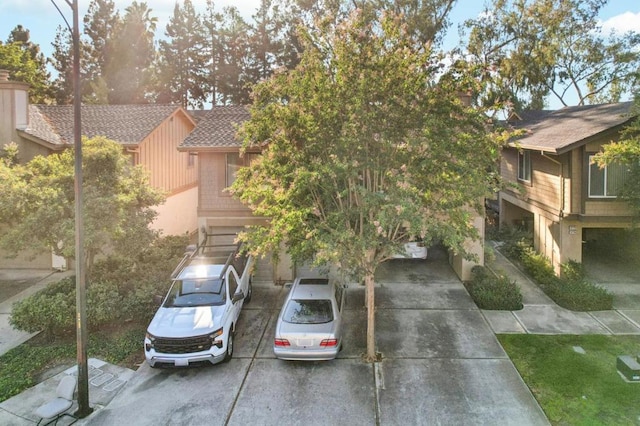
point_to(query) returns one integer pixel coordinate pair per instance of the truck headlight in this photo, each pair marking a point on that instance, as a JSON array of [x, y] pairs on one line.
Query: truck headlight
[[152, 341], [214, 338]]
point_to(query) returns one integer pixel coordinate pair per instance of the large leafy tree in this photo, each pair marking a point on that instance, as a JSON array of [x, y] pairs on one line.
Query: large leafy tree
[[627, 152], [26, 63], [532, 50], [183, 59], [38, 202], [363, 150]]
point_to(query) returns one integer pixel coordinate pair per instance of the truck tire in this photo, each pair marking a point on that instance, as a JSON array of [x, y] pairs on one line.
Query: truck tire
[[247, 298], [229, 353]]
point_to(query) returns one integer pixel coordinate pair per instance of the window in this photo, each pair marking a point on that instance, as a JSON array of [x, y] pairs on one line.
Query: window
[[308, 311], [233, 284], [524, 166], [191, 159], [234, 162], [606, 182]]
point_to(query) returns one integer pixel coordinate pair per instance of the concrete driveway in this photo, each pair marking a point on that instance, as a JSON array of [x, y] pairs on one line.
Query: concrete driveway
[[442, 365]]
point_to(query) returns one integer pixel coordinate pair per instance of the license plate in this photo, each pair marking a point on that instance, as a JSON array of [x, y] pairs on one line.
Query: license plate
[[305, 342]]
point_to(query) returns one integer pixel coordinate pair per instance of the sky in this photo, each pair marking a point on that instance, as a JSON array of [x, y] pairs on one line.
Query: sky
[[42, 19]]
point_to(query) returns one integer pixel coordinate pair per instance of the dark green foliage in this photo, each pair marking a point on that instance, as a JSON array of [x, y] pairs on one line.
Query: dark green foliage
[[493, 292], [21, 367], [571, 290], [51, 310], [512, 241], [119, 289]]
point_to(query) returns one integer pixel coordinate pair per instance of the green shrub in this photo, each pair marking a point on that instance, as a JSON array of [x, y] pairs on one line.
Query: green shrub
[[119, 289], [104, 304], [513, 241], [571, 290], [51, 310], [493, 292], [537, 266]]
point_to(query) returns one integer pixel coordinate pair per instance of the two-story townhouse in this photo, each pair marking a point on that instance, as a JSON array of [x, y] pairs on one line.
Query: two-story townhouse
[[150, 134], [554, 189], [214, 140]]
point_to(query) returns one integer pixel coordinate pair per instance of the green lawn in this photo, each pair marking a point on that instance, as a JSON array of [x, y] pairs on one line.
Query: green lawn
[[574, 388]]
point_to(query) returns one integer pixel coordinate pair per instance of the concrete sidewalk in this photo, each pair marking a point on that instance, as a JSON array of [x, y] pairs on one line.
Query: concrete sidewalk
[[541, 315]]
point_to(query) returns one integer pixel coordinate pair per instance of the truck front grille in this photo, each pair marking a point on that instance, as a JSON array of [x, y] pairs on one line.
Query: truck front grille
[[183, 345]]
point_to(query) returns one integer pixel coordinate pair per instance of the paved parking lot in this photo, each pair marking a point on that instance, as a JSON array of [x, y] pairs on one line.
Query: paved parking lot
[[442, 365]]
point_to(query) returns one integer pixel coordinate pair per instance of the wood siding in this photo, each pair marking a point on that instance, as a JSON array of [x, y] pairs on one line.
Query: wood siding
[[545, 189], [213, 200], [169, 169]]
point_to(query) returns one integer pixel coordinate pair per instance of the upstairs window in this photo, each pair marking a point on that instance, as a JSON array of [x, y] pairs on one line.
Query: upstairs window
[[524, 166], [606, 182], [234, 162]]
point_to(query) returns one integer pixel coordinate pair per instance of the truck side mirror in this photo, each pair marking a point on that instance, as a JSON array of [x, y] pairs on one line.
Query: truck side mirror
[[157, 300], [237, 297]]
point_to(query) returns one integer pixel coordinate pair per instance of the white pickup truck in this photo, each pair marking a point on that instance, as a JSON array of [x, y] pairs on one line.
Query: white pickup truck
[[196, 320]]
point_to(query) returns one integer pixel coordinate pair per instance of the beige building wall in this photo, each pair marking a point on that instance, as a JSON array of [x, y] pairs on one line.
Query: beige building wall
[[462, 266], [178, 215]]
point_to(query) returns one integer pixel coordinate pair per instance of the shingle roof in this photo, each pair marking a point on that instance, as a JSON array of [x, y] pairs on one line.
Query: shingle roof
[[127, 124], [564, 129], [217, 129]]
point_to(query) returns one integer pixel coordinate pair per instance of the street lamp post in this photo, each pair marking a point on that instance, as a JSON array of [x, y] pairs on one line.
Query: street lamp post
[[81, 302]]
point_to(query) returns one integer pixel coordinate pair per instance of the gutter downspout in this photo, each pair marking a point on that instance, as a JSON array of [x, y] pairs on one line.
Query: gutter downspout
[[562, 191]]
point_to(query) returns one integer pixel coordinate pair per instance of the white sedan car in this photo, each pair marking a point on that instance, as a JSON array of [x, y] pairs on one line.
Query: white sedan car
[[413, 250], [309, 326]]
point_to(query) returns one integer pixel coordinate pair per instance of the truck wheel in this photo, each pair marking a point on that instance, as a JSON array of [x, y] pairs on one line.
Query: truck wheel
[[247, 298], [229, 353]]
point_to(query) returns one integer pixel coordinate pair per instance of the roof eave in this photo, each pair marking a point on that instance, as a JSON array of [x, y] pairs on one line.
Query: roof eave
[[35, 139]]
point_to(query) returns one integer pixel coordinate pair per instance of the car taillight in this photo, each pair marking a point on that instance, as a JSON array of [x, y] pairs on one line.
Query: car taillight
[[281, 342], [328, 343]]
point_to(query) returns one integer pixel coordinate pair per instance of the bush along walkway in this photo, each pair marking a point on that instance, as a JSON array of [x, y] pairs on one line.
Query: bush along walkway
[[541, 315]]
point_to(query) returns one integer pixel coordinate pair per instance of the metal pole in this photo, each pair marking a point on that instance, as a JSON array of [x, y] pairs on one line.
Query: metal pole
[[81, 303]]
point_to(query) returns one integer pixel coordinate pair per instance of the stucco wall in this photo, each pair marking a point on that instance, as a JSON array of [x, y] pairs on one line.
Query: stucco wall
[[178, 215]]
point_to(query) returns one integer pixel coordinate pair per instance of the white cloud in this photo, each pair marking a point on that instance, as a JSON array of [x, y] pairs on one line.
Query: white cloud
[[622, 23]]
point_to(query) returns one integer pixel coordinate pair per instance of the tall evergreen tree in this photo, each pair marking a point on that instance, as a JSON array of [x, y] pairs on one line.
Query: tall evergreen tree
[[26, 63], [62, 62], [182, 58], [128, 63], [233, 41], [101, 25], [213, 52]]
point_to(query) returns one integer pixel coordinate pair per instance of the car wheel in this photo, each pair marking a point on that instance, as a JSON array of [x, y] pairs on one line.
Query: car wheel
[[247, 298], [229, 353]]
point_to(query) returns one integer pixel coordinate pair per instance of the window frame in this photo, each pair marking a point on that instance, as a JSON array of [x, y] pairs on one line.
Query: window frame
[[524, 166], [242, 161], [605, 178]]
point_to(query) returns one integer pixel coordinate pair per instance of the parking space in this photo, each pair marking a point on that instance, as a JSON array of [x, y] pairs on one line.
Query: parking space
[[441, 364]]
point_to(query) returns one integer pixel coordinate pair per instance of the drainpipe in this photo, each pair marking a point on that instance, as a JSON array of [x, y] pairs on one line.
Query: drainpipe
[[562, 192]]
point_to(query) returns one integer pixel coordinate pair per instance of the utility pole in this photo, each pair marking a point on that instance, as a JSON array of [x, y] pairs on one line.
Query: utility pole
[[81, 300]]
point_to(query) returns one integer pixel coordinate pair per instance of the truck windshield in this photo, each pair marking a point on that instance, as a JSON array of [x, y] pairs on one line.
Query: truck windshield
[[201, 292]]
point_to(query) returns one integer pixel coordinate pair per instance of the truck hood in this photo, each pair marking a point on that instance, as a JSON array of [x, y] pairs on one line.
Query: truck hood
[[187, 321]]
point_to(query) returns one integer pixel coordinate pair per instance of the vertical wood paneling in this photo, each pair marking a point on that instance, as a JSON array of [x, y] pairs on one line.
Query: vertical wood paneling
[[159, 154]]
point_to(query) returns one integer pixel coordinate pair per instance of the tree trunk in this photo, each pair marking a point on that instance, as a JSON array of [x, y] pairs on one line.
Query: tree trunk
[[371, 319]]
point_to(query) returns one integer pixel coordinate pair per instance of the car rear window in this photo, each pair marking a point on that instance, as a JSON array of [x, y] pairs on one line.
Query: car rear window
[[302, 311]]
